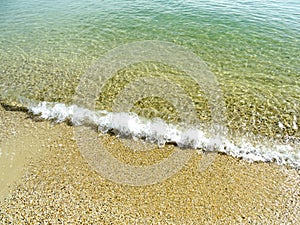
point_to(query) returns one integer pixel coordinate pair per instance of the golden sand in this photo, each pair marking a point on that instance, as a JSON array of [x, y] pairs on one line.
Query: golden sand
[[50, 182]]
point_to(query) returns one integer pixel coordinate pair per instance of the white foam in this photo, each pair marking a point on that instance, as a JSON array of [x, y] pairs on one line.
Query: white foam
[[158, 131], [295, 127]]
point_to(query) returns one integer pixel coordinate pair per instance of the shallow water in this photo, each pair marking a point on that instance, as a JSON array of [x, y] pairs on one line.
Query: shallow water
[[251, 46]]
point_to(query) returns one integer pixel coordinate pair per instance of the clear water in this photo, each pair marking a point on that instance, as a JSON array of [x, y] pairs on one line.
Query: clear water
[[251, 46]]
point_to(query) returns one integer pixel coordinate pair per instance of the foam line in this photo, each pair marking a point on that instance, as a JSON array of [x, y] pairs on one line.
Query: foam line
[[160, 132]]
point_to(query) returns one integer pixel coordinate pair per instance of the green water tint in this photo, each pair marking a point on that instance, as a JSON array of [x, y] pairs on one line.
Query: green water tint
[[44, 51]]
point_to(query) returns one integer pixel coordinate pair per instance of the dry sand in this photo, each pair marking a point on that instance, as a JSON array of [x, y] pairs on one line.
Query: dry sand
[[51, 183]]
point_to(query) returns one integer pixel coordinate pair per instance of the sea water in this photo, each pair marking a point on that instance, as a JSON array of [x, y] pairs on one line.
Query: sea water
[[251, 47]]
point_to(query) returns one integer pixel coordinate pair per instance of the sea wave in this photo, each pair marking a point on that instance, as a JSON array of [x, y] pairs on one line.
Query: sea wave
[[125, 124]]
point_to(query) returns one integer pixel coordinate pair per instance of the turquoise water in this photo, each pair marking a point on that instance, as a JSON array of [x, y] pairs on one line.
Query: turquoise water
[[251, 46]]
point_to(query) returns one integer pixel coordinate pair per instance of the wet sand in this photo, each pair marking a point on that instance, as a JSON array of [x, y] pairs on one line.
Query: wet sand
[[48, 181]]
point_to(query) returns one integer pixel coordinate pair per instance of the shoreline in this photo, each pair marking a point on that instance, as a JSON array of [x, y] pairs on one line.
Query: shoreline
[[57, 185]]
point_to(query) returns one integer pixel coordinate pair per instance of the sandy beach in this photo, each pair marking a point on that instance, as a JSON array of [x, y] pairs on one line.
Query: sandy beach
[[49, 182], [210, 84]]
